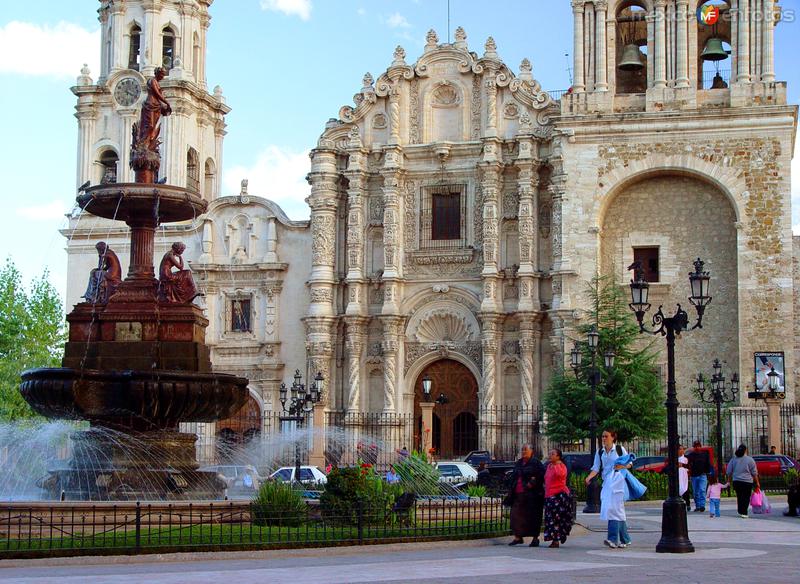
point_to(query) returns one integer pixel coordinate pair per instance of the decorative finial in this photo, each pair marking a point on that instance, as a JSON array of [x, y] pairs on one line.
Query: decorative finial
[[431, 40], [85, 77], [490, 47], [525, 65], [461, 37], [399, 56], [243, 191], [368, 80]]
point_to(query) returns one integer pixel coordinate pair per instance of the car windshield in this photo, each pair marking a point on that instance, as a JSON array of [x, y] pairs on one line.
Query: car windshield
[[306, 474]]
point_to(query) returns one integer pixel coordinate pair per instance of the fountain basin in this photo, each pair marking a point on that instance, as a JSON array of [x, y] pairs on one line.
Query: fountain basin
[[135, 201], [143, 400]]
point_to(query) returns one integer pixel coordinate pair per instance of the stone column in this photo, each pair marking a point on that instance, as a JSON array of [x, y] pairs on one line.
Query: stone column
[[317, 455], [324, 205], [527, 185], [527, 346], [660, 79], [601, 50], [682, 50], [579, 84], [355, 342], [356, 175], [490, 343], [491, 104], [774, 421], [491, 168], [392, 337], [124, 170], [427, 428], [557, 190], [271, 257], [588, 51], [86, 114], [149, 60], [319, 353], [392, 230], [743, 57], [205, 21], [119, 48], [768, 42]]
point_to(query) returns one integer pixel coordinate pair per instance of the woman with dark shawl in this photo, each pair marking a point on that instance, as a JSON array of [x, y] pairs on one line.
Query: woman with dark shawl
[[527, 497], [178, 286]]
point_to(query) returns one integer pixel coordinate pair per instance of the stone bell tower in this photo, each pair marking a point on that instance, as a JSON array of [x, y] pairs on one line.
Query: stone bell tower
[[136, 37]]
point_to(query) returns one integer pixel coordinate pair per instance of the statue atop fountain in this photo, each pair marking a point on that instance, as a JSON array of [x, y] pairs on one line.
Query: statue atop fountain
[[135, 363], [145, 156]]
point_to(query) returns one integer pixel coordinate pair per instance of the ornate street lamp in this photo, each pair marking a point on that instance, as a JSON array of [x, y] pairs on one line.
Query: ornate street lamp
[[674, 529], [718, 394], [297, 403], [593, 377], [426, 388]]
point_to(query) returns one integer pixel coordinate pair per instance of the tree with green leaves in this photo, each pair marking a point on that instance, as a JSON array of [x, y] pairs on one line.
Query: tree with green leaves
[[629, 398], [31, 335]]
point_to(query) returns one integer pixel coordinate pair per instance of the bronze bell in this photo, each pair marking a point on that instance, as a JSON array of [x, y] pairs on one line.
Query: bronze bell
[[631, 58], [714, 50]]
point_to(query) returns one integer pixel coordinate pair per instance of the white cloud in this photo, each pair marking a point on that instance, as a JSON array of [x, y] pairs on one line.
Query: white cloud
[[278, 174], [361, 12], [56, 51], [397, 20], [45, 212], [301, 8]]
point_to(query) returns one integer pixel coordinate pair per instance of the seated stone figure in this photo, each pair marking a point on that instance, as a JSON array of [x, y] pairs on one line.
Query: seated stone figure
[[176, 286], [105, 278]]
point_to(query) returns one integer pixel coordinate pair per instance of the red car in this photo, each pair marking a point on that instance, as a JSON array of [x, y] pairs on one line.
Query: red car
[[774, 465]]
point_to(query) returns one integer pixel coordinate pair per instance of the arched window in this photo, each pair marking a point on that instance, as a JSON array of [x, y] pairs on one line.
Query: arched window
[[134, 48], [108, 166], [167, 47], [196, 56], [713, 45], [631, 50], [193, 170], [209, 187]]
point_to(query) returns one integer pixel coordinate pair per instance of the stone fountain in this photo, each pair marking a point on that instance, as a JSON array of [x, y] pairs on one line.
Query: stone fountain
[[136, 363]]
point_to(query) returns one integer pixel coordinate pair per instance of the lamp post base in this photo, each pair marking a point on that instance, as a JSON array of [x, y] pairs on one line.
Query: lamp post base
[[592, 498], [674, 528]]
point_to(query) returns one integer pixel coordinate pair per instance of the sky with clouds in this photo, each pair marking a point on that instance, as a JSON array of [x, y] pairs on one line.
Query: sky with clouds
[[286, 66]]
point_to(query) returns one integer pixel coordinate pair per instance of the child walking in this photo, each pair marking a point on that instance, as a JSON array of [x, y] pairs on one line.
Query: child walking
[[714, 494]]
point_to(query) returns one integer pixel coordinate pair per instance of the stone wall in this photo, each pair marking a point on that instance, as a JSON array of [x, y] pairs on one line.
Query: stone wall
[[695, 219]]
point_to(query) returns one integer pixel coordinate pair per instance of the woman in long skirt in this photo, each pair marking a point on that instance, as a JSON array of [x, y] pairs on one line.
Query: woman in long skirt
[[557, 502], [527, 497]]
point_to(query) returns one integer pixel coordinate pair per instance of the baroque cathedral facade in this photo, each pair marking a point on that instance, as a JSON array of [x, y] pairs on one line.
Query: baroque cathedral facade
[[458, 211]]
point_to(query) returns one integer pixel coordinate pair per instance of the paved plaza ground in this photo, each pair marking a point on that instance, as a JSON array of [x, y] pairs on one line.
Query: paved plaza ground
[[729, 550]]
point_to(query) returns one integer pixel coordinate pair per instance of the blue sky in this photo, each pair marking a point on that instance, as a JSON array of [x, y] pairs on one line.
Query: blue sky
[[285, 66]]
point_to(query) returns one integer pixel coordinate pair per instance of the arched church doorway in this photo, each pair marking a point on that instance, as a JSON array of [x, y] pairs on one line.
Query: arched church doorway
[[455, 421], [239, 429]]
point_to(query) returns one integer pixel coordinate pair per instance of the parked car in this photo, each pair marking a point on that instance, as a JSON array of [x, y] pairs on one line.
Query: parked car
[[774, 464], [650, 464], [241, 479], [456, 472], [497, 468], [578, 462], [308, 475]]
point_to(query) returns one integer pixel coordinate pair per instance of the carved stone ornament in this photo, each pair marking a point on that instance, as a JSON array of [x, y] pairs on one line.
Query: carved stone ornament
[[445, 95], [380, 122], [322, 233], [511, 111], [443, 326]]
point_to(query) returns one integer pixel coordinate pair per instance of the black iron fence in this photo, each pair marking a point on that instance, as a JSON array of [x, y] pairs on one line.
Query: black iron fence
[[375, 438], [367, 437], [504, 429], [790, 429], [41, 531]]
